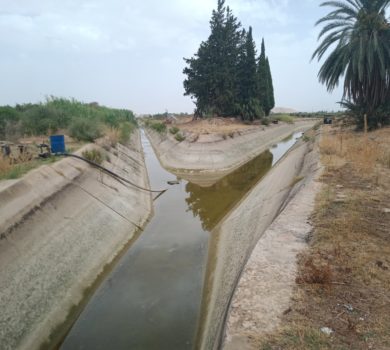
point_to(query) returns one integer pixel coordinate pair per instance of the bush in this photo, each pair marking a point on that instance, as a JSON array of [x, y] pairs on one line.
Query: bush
[[125, 131], [179, 137], [284, 118], [93, 155], [61, 114], [174, 130], [85, 130], [159, 127], [265, 121]]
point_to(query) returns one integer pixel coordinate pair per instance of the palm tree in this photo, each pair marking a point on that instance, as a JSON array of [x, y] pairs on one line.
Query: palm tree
[[358, 32]]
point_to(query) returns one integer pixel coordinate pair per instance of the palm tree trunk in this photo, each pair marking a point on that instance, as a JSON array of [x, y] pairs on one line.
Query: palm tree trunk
[[365, 123]]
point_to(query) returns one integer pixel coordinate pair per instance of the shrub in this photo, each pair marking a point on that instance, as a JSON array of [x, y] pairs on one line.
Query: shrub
[[179, 137], [125, 131], [284, 118], [159, 127], [93, 155], [85, 130], [265, 121], [174, 130]]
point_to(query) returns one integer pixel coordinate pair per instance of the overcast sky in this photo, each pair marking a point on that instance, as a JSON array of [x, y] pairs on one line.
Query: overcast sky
[[129, 54]]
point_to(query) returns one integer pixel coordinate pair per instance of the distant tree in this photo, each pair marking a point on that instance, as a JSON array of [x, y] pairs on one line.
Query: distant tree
[[358, 33]]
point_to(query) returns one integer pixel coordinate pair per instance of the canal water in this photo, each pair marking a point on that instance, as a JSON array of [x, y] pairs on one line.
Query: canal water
[[152, 298]]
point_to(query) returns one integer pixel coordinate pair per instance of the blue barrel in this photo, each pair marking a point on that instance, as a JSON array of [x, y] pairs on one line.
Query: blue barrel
[[57, 144]]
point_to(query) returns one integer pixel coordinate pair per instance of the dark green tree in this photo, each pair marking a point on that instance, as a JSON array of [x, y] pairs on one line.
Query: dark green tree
[[212, 72], [250, 107], [223, 78], [358, 33], [270, 89], [262, 75]]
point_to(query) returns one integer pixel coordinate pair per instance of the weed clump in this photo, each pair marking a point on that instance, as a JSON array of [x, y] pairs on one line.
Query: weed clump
[[125, 131], [174, 130], [93, 155], [159, 127], [179, 137], [315, 274]]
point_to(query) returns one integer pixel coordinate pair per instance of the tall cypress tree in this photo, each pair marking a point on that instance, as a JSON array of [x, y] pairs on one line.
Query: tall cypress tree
[[212, 75], [270, 89], [263, 79], [222, 77], [250, 107], [203, 70]]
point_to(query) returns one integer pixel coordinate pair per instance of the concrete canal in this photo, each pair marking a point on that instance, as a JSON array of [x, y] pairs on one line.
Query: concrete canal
[[152, 299]]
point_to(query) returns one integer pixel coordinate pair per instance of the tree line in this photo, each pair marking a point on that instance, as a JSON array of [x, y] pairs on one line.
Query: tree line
[[82, 121], [225, 78]]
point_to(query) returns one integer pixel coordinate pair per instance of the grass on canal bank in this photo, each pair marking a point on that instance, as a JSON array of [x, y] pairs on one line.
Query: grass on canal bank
[[343, 277]]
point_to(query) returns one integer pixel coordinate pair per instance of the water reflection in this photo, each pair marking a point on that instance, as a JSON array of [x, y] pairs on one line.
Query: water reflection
[[210, 204]]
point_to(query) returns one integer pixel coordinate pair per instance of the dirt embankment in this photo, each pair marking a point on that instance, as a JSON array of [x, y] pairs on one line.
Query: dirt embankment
[[341, 299], [60, 226], [207, 160]]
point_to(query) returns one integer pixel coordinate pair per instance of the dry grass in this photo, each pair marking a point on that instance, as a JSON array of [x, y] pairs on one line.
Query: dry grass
[[225, 126], [112, 136], [5, 165], [344, 278]]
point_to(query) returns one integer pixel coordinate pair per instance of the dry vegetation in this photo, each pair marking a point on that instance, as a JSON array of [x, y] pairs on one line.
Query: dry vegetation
[[214, 125], [344, 277]]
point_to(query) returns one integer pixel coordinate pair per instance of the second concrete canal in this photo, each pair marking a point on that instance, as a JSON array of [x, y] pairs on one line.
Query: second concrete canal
[[153, 297]]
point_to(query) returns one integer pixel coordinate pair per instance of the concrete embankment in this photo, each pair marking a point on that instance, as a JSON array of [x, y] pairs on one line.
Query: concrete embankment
[[205, 162], [266, 284], [60, 226], [233, 240]]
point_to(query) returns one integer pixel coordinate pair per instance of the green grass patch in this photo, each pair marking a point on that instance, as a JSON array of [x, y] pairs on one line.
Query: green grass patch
[[18, 170]]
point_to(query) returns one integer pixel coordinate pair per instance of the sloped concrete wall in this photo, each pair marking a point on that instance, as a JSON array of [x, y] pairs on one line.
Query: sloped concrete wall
[[60, 226]]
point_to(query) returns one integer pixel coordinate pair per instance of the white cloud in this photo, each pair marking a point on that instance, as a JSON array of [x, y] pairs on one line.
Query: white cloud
[[129, 53]]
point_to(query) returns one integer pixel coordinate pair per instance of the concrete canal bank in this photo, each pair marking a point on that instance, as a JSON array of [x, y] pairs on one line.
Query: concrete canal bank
[[206, 161], [266, 284], [60, 226], [171, 287], [234, 238]]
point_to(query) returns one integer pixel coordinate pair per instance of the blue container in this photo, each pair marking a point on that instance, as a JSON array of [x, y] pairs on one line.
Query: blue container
[[57, 144]]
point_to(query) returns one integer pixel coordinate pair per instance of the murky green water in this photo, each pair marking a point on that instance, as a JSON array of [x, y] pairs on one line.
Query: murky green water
[[152, 298]]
